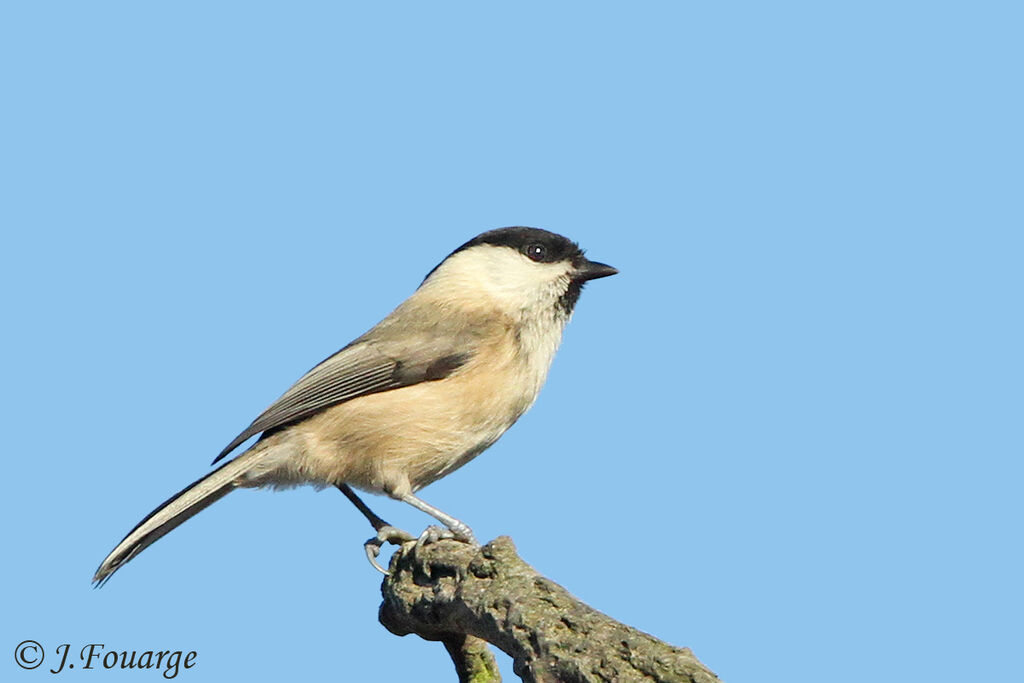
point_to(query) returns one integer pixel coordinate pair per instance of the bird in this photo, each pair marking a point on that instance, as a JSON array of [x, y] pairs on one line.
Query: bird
[[423, 392]]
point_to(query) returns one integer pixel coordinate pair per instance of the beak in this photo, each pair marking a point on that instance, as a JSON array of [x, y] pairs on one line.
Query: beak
[[591, 270]]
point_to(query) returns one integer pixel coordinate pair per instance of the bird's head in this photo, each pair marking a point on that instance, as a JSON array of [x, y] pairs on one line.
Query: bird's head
[[521, 270]]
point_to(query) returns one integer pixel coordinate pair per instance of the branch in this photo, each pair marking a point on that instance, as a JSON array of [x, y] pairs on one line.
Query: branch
[[458, 593]]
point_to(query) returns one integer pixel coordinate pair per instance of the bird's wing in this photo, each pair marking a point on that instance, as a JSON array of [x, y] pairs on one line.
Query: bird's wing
[[363, 367]]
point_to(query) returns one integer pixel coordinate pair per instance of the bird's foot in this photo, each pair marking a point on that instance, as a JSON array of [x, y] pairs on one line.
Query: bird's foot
[[386, 534], [435, 533], [395, 536]]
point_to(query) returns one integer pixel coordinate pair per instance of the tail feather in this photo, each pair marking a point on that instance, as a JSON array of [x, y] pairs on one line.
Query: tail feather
[[189, 501]]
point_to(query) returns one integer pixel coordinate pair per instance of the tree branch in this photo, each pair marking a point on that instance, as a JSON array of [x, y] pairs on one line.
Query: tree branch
[[458, 593], [474, 661]]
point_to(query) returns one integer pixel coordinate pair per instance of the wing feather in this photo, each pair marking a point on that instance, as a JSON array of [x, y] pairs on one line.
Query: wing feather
[[363, 367]]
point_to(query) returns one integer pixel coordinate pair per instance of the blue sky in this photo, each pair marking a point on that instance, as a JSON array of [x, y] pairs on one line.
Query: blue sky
[[787, 435]]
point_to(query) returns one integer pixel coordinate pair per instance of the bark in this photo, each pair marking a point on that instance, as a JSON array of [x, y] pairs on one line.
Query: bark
[[461, 594]]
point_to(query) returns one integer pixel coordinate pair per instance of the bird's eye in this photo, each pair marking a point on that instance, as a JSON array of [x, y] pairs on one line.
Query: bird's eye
[[536, 251]]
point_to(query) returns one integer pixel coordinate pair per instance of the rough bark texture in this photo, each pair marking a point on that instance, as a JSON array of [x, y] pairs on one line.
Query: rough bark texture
[[474, 661], [457, 593]]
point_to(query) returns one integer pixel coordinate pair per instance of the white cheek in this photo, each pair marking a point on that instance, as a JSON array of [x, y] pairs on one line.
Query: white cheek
[[503, 276]]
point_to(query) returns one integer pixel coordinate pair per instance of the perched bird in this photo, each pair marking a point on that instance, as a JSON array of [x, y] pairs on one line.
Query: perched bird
[[422, 393]]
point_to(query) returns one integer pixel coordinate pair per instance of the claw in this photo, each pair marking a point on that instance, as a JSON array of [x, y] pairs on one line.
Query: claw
[[433, 534], [386, 534], [372, 548]]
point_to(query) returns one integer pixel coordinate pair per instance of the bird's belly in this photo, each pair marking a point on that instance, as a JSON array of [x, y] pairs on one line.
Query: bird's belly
[[399, 441]]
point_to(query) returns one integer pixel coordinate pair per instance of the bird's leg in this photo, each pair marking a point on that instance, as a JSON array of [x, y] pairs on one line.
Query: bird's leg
[[385, 532], [374, 520], [459, 530]]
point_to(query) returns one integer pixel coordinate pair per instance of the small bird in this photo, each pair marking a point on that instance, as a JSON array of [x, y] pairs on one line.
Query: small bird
[[422, 393]]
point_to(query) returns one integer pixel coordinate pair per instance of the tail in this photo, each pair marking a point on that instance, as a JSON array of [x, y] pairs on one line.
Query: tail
[[194, 498]]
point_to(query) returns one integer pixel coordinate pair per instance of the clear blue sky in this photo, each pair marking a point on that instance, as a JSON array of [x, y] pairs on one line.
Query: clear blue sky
[[787, 435]]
